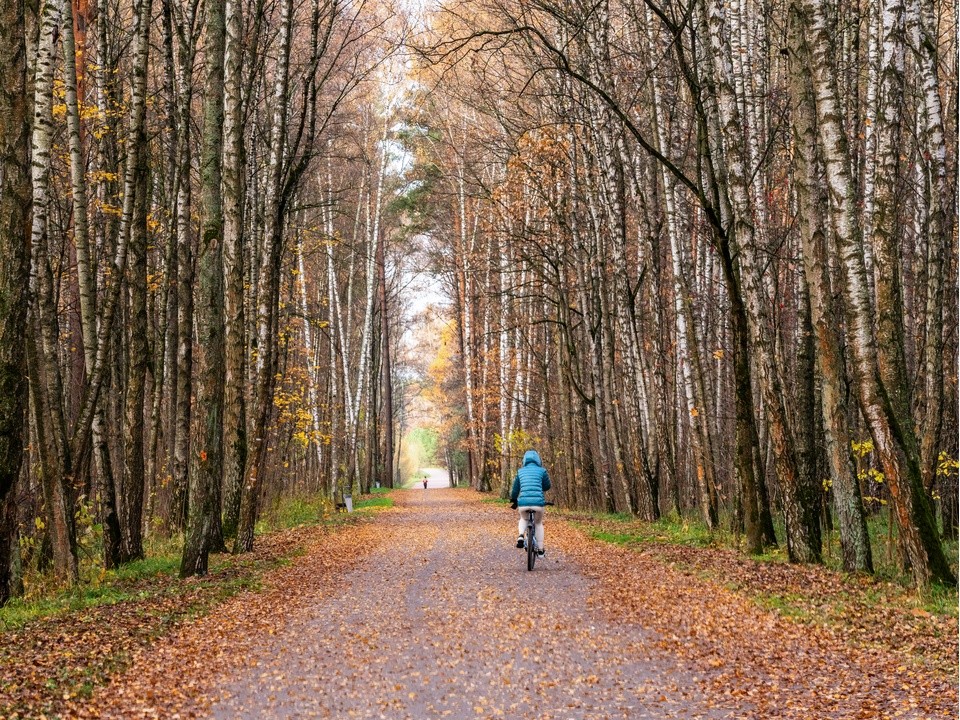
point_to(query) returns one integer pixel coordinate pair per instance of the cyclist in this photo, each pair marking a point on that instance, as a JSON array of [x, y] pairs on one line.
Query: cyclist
[[529, 485]]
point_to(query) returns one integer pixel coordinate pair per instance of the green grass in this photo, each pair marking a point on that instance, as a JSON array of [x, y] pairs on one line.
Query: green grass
[[671, 530], [886, 562], [680, 531], [294, 512], [155, 599], [615, 538], [18, 612], [940, 600], [110, 587], [138, 580], [788, 604], [692, 531], [168, 564], [373, 502]]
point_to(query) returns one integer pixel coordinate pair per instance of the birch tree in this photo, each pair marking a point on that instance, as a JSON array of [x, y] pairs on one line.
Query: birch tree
[[894, 440]]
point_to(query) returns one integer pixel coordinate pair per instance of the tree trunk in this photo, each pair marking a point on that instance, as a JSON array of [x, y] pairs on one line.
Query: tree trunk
[[938, 195], [802, 521], [14, 260], [130, 498], [894, 441], [386, 379], [185, 276], [45, 370], [268, 291], [811, 198], [234, 171], [206, 471]]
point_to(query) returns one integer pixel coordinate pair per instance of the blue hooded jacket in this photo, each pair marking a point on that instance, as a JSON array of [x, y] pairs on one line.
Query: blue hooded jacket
[[531, 481]]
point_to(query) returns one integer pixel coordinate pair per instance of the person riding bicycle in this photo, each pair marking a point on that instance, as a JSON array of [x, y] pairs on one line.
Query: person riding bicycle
[[529, 485]]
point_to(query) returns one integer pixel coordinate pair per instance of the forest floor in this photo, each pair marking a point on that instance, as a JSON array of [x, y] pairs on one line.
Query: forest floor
[[427, 611]]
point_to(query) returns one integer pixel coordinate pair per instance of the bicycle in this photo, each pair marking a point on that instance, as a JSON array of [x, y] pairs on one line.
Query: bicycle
[[530, 538]]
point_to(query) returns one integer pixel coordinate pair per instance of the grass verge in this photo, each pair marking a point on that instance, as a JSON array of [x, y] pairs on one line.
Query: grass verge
[[374, 501]]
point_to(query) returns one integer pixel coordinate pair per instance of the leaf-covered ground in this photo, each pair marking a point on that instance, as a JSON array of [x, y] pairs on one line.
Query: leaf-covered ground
[[796, 642], [50, 667], [428, 612], [441, 620], [866, 612]]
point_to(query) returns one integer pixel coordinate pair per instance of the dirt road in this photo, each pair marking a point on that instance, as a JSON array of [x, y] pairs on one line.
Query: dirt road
[[449, 623], [440, 619]]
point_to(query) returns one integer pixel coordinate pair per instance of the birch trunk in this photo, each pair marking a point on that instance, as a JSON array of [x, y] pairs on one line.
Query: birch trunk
[[203, 533], [803, 535], [130, 495], [268, 290], [464, 292], [78, 186], [128, 235], [886, 233], [171, 266], [894, 442], [45, 369], [937, 195], [811, 198], [234, 171], [386, 370], [185, 275]]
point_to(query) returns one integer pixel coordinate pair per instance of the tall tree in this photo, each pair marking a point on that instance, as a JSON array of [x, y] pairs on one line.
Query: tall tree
[[234, 170], [206, 476], [894, 439], [14, 213]]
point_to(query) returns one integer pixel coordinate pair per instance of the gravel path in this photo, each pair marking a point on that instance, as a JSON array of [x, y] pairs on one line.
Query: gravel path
[[442, 620], [427, 611]]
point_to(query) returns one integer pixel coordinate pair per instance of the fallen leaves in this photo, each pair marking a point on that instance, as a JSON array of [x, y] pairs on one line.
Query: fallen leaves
[[52, 666], [426, 611], [796, 641]]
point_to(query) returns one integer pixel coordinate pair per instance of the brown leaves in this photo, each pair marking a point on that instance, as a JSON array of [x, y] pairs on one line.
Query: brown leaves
[[51, 666], [793, 641], [441, 619]]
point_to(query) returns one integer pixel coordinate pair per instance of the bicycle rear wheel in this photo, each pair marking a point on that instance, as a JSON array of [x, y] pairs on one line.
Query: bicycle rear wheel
[[531, 549]]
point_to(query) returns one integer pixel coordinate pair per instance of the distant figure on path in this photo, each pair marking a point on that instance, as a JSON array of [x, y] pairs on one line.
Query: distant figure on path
[[529, 485], [424, 482]]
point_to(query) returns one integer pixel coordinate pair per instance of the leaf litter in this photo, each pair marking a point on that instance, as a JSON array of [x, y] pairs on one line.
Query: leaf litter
[[427, 611], [832, 652]]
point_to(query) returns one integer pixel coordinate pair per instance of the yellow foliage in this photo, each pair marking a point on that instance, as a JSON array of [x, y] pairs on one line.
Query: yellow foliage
[[946, 465], [861, 449], [108, 209]]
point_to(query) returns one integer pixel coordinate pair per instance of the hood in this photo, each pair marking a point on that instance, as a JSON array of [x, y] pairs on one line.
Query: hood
[[531, 456]]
